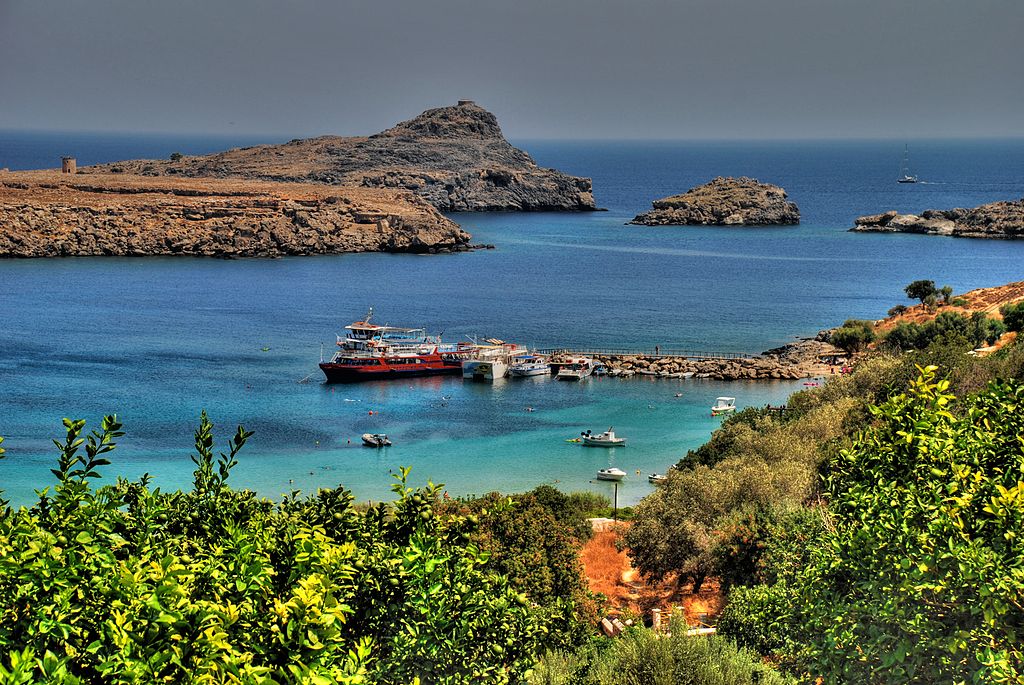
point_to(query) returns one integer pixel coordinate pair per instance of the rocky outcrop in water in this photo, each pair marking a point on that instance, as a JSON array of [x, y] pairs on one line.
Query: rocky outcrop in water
[[456, 158], [724, 202], [46, 214], [994, 220]]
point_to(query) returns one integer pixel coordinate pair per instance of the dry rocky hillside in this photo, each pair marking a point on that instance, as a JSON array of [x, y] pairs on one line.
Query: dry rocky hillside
[[48, 214], [456, 158], [993, 220], [987, 300], [724, 202]]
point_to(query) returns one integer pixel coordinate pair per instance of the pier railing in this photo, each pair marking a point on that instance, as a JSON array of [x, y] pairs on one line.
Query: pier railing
[[649, 352]]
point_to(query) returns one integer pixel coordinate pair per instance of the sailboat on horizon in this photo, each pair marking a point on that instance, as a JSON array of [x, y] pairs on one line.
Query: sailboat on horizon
[[905, 175]]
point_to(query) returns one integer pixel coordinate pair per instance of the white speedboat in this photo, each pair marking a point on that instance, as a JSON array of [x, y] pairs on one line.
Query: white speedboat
[[606, 439], [529, 365], [376, 440], [723, 405], [657, 478], [611, 473], [575, 369]]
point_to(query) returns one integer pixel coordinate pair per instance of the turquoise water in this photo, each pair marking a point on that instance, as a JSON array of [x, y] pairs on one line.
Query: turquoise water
[[156, 340]]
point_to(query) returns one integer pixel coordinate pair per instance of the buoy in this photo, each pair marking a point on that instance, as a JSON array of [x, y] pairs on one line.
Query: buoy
[[370, 413]]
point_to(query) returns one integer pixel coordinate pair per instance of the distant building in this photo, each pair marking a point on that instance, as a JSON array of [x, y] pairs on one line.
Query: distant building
[[67, 165]]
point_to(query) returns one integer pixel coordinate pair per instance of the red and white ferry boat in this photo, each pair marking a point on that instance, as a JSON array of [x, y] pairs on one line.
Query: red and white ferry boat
[[372, 352]]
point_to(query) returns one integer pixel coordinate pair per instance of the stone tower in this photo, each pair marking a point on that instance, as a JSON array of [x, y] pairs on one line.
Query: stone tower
[[67, 165]]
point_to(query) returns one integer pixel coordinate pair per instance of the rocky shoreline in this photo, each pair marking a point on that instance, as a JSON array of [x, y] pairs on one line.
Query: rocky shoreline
[[999, 220], [724, 202], [49, 214], [801, 359], [456, 158]]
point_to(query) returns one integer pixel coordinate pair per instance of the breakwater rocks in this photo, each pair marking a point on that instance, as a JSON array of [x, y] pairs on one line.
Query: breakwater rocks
[[48, 214], [802, 359], [455, 158], [724, 202], [993, 220]]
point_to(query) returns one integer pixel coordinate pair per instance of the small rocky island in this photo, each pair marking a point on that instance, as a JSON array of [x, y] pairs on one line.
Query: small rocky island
[[993, 220], [724, 202], [50, 214], [455, 158]]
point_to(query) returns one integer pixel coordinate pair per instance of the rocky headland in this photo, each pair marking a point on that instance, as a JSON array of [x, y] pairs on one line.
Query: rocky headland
[[724, 202], [49, 214], [993, 220], [455, 158]]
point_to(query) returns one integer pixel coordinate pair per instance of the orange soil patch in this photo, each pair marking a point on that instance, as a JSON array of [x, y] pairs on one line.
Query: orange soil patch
[[609, 572], [987, 300]]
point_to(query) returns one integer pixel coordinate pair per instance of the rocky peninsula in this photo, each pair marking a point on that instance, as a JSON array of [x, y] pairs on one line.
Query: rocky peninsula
[[49, 214], [455, 158], [724, 202], [994, 220]]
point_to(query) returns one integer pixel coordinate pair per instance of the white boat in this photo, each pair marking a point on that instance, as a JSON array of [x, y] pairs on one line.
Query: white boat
[[723, 405], [611, 473], [905, 175], [376, 440], [529, 365], [656, 478], [490, 362], [606, 439], [575, 369]]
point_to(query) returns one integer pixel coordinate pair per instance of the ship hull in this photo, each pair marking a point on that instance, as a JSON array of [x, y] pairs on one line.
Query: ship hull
[[351, 373]]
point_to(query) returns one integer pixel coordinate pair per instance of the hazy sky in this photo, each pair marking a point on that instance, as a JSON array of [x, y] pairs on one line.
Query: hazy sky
[[547, 68]]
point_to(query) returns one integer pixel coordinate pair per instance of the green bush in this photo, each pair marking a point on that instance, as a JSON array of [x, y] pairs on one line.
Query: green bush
[[641, 657], [128, 584], [1013, 316], [919, 576], [854, 335], [897, 310]]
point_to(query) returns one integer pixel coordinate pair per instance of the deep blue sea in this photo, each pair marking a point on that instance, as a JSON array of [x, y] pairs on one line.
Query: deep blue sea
[[156, 340]]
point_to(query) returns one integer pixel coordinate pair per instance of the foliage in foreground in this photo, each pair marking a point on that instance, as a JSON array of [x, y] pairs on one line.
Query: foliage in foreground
[[127, 584], [641, 657], [919, 576]]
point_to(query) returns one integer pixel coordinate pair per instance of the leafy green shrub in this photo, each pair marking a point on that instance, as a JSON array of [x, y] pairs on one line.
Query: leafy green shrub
[[948, 328], [641, 657], [125, 584], [920, 575], [854, 335], [1013, 316], [897, 310]]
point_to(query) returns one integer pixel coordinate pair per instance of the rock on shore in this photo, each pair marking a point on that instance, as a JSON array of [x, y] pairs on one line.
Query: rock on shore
[[48, 214], [455, 157], [993, 220], [724, 202]]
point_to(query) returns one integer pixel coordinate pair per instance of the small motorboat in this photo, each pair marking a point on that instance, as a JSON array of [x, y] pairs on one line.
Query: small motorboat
[[611, 473], [723, 405], [657, 478], [376, 440], [606, 439], [575, 369]]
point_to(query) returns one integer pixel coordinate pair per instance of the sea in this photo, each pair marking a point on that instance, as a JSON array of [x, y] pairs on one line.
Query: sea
[[158, 340]]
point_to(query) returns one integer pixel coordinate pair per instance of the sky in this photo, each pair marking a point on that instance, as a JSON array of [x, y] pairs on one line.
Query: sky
[[668, 69]]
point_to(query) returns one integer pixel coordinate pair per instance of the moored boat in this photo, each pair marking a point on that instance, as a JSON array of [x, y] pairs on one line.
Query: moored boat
[[723, 405], [370, 351], [376, 440], [606, 439], [611, 473], [575, 369], [490, 361], [657, 478], [529, 365]]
